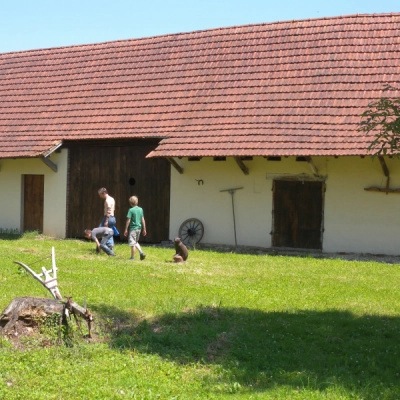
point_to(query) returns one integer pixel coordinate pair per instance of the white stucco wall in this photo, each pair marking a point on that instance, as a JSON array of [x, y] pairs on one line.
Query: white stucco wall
[[358, 220], [354, 220], [55, 192]]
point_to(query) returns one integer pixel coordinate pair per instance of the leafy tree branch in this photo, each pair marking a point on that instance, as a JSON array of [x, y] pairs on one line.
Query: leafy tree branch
[[382, 119]]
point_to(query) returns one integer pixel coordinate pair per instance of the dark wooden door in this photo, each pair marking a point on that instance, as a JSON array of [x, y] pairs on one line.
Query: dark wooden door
[[125, 171], [33, 192], [298, 210]]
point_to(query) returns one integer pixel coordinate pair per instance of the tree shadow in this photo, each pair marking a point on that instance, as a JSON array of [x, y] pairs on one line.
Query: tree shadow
[[298, 349], [290, 252]]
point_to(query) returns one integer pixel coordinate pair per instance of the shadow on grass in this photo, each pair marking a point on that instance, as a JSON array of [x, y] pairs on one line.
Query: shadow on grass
[[302, 253], [312, 349], [10, 236]]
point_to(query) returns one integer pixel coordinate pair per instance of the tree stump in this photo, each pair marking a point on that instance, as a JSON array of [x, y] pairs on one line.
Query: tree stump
[[24, 311]]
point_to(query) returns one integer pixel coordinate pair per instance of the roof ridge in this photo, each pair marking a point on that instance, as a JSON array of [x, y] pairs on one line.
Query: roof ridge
[[207, 30]]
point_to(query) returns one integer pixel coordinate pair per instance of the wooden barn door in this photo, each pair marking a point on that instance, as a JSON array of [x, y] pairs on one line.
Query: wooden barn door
[[125, 171], [298, 211], [33, 195]]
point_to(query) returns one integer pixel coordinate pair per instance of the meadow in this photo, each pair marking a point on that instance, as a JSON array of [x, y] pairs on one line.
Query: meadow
[[220, 326]]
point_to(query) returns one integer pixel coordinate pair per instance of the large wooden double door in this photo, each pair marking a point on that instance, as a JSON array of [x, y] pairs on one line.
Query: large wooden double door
[[124, 170]]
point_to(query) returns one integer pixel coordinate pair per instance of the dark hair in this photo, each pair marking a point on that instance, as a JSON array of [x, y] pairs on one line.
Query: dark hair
[[102, 190]]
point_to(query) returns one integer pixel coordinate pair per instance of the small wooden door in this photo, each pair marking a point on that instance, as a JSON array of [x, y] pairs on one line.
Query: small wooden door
[[33, 192], [298, 211]]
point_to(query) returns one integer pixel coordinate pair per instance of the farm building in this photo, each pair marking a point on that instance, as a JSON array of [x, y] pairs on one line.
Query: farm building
[[253, 130]]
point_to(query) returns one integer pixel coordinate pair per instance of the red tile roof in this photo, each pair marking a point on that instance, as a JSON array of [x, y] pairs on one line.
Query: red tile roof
[[286, 88]]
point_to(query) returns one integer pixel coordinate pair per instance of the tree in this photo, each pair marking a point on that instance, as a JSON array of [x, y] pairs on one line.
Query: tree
[[382, 119]]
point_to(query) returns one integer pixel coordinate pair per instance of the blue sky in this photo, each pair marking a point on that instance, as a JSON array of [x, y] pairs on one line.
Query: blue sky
[[33, 24]]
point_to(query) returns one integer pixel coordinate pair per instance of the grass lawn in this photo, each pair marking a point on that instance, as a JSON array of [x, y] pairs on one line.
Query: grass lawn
[[221, 326]]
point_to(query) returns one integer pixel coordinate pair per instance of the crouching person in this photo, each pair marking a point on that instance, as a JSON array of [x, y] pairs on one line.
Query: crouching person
[[105, 234]]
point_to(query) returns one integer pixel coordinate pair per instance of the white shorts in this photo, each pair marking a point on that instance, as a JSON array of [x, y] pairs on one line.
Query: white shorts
[[133, 237]]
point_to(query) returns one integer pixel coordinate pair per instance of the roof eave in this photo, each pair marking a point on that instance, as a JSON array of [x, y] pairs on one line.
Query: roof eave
[[167, 154], [52, 149]]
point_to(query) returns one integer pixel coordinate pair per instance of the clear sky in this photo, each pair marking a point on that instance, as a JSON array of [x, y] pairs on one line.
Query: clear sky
[[34, 24]]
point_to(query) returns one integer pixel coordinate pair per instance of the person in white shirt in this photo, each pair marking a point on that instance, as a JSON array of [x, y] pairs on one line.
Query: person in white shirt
[[108, 217]]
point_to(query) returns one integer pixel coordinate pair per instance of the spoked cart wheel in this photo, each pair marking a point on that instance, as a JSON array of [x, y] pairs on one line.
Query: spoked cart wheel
[[191, 231]]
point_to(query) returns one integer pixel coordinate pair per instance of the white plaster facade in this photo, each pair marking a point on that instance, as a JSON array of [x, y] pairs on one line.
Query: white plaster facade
[[354, 220], [55, 192]]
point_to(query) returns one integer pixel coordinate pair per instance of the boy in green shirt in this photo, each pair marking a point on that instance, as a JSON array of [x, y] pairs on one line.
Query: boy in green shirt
[[136, 224]]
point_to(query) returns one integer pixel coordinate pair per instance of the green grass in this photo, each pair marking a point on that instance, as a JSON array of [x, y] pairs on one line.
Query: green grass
[[221, 326]]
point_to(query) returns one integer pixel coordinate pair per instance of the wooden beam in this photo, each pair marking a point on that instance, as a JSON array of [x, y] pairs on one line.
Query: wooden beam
[[243, 167], [385, 169], [382, 190], [313, 168], [386, 172], [49, 163], [175, 165]]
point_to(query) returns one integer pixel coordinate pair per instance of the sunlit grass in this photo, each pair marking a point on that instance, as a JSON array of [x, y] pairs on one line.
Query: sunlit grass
[[219, 326]]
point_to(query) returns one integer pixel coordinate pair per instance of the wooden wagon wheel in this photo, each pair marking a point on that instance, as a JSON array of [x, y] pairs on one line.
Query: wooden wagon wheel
[[191, 231]]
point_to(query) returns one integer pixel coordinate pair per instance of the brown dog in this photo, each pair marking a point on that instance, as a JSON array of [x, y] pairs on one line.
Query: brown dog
[[181, 251]]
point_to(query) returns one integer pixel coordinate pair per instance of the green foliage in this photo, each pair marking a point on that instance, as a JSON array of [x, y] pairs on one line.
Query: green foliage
[[382, 119], [31, 235], [220, 326], [9, 233]]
